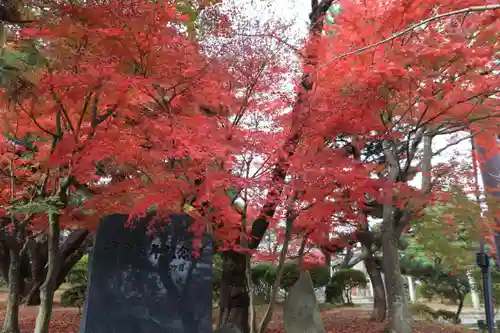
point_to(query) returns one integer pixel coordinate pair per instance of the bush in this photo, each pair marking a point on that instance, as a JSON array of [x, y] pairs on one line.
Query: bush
[[495, 277], [290, 276], [426, 292], [263, 275], [447, 317], [422, 310], [75, 296], [333, 293], [79, 273], [320, 276], [347, 279], [216, 276]]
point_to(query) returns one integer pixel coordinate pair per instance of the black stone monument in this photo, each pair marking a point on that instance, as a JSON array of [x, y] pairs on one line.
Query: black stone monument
[[144, 281]]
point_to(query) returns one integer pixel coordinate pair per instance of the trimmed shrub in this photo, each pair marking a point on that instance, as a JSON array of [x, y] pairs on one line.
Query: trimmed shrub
[[79, 273], [333, 293], [74, 297], [262, 280], [422, 310], [290, 276], [320, 276], [426, 292], [447, 317], [347, 279]]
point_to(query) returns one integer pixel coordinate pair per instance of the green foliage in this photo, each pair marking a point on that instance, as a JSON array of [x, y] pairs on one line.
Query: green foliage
[[423, 311], [451, 288], [346, 280], [426, 312], [446, 316], [75, 296], [46, 205], [333, 293], [79, 273], [216, 268], [216, 276], [495, 277], [289, 277], [319, 276], [442, 249], [448, 232], [440, 281], [350, 278], [264, 275], [426, 292]]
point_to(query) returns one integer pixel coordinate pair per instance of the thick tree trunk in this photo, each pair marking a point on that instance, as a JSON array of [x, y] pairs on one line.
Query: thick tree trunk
[[4, 261], [379, 311], [11, 322], [252, 292], [72, 250], [279, 272], [48, 288], [71, 253], [399, 318], [234, 299], [38, 252]]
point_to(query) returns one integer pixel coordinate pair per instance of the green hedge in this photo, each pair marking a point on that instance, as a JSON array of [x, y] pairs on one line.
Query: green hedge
[[342, 283], [426, 312], [79, 273], [74, 296]]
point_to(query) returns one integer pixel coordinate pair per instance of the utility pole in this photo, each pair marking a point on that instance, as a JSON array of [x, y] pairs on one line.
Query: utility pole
[[483, 262]]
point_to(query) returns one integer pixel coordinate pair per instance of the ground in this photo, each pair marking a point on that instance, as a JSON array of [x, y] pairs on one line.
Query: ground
[[357, 320], [64, 320], [343, 320]]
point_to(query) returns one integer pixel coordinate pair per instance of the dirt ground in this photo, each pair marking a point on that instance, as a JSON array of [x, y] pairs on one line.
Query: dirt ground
[[344, 320], [357, 320], [64, 320]]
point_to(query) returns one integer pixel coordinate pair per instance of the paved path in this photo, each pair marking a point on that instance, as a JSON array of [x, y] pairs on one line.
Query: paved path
[[469, 317]]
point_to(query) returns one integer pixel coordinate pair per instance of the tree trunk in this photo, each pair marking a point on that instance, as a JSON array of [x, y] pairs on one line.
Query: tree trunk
[[379, 299], [48, 288], [11, 322], [234, 295], [234, 299], [399, 318], [459, 310], [252, 292], [71, 255], [72, 250], [4, 261], [38, 255], [279, 272]]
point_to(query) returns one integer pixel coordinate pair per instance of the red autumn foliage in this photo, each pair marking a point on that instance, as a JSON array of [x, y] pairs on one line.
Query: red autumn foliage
[[137, 113], [149, 109], [111, 103]]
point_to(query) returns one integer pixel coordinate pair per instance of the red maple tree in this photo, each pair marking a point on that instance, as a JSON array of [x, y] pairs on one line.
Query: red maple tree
[[138, 113]]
